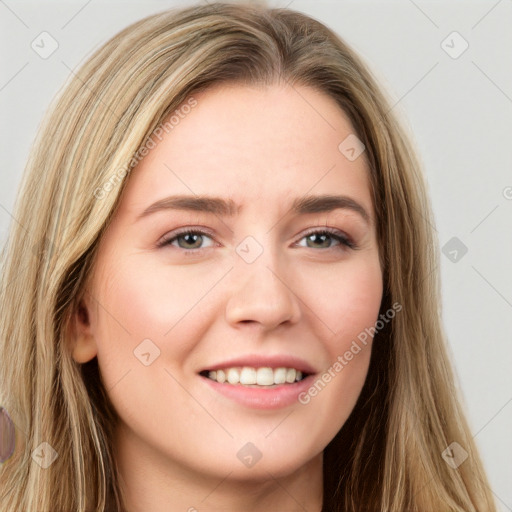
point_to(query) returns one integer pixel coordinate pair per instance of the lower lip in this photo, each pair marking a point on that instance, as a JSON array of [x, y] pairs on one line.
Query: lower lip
[[271, 398]]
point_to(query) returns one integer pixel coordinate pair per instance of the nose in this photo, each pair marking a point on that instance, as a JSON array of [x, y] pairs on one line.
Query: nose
[[262, 296]]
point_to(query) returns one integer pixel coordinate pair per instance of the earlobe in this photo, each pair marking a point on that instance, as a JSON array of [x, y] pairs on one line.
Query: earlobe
[[83, 343], [84, 349]]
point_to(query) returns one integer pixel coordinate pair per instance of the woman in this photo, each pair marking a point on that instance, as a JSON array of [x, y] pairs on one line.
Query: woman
[[225, 267]]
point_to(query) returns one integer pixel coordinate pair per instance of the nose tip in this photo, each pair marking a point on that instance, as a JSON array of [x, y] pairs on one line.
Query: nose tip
[[262, 297]]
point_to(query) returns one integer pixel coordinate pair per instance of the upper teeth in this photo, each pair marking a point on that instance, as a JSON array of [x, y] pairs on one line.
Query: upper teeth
[[261, 376]]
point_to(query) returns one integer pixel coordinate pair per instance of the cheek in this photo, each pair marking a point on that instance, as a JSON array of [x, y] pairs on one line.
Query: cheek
[[147, 309], [348, 302], [138, 300], [346, 299]]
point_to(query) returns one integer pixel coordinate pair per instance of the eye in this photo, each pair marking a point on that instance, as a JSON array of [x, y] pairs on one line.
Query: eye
[[194, 239], [187, 239], [322, 239]]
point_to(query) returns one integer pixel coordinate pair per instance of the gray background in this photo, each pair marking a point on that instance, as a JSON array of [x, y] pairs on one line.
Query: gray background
[[459, 110]]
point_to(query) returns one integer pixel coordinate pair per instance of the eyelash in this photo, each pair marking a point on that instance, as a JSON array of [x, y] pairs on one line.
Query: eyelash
[[333, 233]]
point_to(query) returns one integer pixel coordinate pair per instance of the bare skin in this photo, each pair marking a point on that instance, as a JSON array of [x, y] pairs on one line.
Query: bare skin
[[200, 301]]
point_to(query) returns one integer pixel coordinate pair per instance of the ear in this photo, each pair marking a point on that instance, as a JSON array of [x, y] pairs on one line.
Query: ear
[[83, 347]]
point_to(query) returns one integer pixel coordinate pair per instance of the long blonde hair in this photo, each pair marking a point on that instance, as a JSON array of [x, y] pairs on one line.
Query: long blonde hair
[[388, 455]]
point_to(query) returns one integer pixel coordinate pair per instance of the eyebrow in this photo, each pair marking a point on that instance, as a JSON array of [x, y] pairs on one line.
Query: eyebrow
[[227, 207]]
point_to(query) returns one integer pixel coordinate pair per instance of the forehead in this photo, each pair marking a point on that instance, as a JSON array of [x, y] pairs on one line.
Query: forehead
[[252, 144]]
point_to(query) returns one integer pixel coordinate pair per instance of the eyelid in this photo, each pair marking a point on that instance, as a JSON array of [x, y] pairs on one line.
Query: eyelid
[[168, 237]]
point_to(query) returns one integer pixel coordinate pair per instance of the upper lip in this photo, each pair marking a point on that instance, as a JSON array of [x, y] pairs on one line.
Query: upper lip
[[259, 361]]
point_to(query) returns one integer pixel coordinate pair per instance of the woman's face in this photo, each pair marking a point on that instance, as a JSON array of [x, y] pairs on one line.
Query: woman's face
[[227, 256]]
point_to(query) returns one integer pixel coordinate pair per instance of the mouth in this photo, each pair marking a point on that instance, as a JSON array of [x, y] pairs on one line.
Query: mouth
[[260, 382], [256, 377]]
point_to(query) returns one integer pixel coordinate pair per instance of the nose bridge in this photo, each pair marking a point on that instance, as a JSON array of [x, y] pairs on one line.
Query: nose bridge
[[260, 291]]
